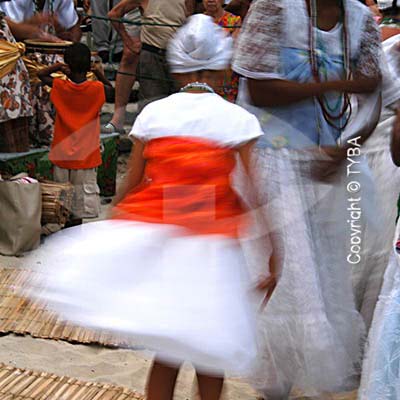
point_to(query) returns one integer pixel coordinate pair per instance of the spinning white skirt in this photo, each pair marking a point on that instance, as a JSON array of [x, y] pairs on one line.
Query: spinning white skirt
[[186, 297]]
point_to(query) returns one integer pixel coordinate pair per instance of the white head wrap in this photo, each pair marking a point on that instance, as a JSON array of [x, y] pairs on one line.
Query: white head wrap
[[199, 44]]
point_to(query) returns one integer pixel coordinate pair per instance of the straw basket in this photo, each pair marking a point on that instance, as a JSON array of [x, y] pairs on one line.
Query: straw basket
[[56, 202]]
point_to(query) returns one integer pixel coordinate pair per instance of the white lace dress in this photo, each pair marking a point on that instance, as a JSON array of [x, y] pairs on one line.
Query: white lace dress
[[312, 332], [368, 277], [381, 367]]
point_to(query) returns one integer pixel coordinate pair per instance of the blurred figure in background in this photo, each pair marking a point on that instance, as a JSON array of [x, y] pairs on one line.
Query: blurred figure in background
[[231, 23], [238, 7], [380, 378], [155, 79], [65, 21], [16, 108], [297, 57], [126, 75], [105, 38]]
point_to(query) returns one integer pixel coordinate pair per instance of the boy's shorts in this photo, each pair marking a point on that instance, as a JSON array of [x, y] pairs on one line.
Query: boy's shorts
[[86, 202]]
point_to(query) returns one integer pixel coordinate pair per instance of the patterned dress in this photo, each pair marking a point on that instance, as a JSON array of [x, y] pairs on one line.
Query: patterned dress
[[14, 87], [42, 125], [230, 87]]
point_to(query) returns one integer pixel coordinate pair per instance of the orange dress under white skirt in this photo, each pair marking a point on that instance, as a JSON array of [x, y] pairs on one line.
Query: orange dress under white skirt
[[167, 270]]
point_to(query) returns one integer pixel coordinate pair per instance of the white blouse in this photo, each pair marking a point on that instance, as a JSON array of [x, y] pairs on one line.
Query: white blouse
[[206, 116]]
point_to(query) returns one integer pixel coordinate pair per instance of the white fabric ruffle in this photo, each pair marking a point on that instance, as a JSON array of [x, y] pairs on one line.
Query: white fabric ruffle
[[380, 378], [368, 275], [185, 297], [310, 332]]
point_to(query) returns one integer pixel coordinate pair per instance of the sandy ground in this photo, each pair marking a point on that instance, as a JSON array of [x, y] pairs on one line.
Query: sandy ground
[[94, 363]]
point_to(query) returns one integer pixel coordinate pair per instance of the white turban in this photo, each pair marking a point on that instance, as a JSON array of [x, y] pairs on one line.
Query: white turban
[[199, 44]]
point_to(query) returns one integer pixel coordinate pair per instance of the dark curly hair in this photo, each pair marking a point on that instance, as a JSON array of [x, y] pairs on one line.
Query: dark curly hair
[[77, 57]]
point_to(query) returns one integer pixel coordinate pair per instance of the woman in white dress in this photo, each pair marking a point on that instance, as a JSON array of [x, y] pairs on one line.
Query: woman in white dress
[[381, 367], [368, 276], [300, 61], [168, 270]]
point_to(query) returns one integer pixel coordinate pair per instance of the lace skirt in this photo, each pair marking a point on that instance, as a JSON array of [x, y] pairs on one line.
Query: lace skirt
[[368, 274], [311, 333], [381, 369]]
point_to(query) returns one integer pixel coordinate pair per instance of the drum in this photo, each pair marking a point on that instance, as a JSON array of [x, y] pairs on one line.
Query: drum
[[38, 46]]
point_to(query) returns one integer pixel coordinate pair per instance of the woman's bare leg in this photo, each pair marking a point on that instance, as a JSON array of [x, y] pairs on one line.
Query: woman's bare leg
[[161, 383], [210, 387]]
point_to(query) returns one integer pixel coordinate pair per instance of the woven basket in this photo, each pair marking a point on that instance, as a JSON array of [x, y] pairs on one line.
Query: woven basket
[[14, 135], [56, 202]]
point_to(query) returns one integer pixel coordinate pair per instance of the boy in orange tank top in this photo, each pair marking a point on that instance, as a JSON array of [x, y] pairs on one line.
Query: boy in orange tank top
[[75, 150]]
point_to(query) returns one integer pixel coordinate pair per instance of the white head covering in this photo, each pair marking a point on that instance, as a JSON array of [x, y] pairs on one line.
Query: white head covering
[[199, 44]]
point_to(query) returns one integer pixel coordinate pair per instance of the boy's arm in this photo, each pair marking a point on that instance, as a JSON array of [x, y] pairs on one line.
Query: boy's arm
[[44, 74], [97, 69], [135, 174]]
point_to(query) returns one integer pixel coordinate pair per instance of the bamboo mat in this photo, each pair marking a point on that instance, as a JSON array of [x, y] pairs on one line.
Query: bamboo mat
[[23, 316], [338, 396], [19, 384]]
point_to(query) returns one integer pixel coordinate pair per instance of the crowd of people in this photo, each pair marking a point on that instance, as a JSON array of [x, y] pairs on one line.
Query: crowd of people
[[254, 231]]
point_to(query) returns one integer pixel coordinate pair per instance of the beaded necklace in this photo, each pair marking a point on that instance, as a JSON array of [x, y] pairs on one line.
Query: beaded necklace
[[342, 108], [38, 9], [200, 86]]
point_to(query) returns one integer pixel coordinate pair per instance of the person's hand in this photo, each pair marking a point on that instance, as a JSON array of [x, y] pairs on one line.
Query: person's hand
[[47, 37], [327, 170], [65, 35], [64, 68], [336, 153], [97, 68], [267, 286]]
